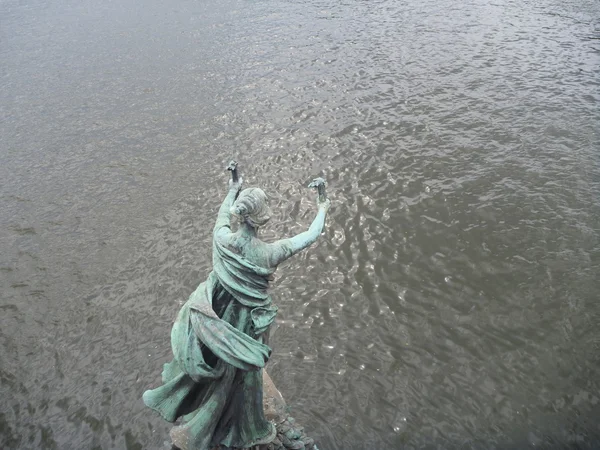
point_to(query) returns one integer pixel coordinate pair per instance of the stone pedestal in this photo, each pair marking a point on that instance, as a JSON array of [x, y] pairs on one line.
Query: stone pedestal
[[273, 402]]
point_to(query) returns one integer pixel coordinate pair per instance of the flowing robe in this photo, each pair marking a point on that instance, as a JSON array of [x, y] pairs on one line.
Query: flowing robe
[[219, 348]]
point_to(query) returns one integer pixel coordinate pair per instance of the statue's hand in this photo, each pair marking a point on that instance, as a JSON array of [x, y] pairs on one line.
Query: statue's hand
[[236, 185], [324, 204]]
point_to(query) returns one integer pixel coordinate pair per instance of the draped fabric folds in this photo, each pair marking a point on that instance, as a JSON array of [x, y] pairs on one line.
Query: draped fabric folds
[[219, 349]]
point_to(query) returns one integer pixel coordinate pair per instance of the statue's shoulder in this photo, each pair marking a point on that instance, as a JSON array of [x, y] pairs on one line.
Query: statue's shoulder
[[222, 233]]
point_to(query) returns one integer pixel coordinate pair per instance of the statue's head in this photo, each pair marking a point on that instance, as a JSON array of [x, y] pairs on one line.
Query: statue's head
[[252, 207]]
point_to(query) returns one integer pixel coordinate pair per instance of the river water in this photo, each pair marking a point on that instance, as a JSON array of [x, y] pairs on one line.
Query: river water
[[453, 300]]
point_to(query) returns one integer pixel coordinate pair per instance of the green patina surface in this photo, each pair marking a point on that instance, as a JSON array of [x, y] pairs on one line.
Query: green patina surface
[[219, 339]]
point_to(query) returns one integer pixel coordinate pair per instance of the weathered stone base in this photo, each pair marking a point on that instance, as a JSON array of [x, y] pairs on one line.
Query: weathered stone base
[[290, 436]]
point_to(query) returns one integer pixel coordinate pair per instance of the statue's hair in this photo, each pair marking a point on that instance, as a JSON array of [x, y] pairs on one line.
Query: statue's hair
[[252, 206]]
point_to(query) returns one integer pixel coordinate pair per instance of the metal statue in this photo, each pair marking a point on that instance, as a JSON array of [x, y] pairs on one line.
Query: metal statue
[[219, 338]]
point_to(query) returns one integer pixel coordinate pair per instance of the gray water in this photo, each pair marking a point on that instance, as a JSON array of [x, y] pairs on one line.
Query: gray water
[[453, 301]]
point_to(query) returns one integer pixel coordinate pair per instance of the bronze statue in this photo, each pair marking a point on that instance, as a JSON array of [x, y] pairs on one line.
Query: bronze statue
[[219, 339]]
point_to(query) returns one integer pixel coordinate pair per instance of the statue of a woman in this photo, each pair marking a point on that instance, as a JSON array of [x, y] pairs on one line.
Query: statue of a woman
[[219, 339]]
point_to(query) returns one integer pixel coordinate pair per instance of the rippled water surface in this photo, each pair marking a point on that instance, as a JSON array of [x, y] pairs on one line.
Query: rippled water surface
[[453, 301]]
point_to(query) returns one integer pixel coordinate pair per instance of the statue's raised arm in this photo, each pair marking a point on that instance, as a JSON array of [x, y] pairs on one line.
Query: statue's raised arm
[[235, 184], [285, 248]]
